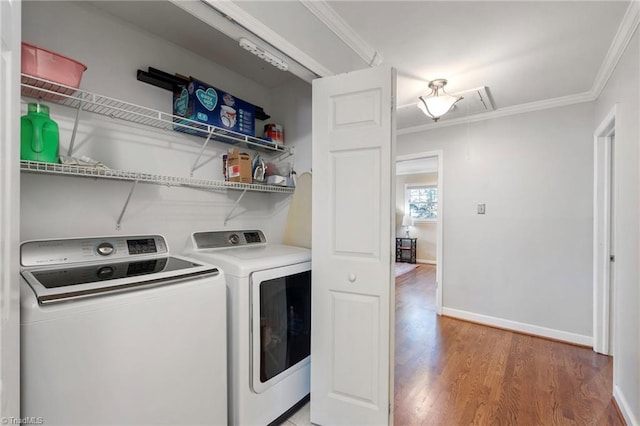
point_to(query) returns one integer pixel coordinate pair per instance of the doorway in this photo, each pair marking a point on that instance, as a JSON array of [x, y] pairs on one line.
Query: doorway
[[414, 164], [603, 235]]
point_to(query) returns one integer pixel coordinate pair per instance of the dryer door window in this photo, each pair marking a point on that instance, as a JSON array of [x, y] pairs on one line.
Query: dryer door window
[[281, 327]]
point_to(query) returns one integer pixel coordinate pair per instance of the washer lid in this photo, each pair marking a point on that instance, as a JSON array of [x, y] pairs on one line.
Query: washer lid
[[61, 283], [242, 261]]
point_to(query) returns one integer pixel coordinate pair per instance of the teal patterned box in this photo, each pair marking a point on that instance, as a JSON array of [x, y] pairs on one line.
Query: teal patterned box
[[206, 104]]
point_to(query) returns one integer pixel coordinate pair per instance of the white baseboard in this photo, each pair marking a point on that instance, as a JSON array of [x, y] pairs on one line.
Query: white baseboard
[[429, 262], [623, 405], [550, 333]]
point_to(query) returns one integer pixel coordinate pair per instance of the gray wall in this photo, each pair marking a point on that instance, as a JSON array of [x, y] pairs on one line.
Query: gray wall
[[527, 261], [623, 89]]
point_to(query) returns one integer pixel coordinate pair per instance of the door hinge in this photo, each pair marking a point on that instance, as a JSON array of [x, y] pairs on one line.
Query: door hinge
[[612, 258]]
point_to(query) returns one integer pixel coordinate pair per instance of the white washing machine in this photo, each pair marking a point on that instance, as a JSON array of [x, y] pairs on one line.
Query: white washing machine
[[116, 331], [270, 322]]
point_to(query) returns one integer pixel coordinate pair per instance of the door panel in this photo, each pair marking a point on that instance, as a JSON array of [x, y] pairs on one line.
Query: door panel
[[352, 110], [353, 194], [353, 226], [359, 340]]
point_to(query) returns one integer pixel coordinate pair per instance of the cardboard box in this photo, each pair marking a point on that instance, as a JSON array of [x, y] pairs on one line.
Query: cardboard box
[[201, 102], [239, 166]]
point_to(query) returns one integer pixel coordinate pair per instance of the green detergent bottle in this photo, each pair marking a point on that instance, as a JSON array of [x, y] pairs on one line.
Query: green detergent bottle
[[39, 135]]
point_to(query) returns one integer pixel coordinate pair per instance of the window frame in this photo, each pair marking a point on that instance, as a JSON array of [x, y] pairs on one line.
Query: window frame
[[407, 188]]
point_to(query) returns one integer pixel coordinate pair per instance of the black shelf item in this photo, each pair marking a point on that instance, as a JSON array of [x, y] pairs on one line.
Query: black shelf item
[[406, 249], [161, 79]]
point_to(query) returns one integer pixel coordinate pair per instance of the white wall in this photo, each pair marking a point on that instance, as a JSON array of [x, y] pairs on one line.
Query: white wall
[[623, 89], [67, 207], [292, 108], [425, 232], [526, 263]]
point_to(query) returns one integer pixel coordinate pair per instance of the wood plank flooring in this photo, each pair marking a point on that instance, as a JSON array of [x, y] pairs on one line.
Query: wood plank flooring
[[451, 372]]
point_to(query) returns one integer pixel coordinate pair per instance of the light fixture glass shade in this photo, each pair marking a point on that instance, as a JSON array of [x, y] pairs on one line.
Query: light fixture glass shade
[[438, 102]]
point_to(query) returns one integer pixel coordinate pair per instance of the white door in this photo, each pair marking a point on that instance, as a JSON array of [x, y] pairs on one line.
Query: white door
[[353, 226], [10, 30]]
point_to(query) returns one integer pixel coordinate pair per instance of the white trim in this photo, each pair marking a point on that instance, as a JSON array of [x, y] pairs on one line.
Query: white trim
[[328, 16], [601, 231], [504, 112], [522, 327], [426, 261], [255, 26], [440, 231], [625, 409], [620, 42]]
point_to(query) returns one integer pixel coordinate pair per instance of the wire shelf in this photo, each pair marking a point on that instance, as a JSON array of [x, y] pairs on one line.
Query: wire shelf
[[35, 87], [103, 173]]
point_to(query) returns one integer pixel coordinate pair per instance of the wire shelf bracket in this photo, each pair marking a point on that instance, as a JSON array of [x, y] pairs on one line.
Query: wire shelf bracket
[[226, 219], [195, 163], [126, 204], [75, 130]]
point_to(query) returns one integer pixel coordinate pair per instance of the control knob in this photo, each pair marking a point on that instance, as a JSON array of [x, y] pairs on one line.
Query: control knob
[[105, 249]]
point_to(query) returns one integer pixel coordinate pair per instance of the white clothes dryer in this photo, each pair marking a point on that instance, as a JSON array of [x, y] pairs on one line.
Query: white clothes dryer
[[269, 287], [114, 330]]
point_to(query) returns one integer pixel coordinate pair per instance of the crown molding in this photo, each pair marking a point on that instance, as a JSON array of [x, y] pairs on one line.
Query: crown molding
[[503, 112], [620, 42], [328, 16], [260, 30]]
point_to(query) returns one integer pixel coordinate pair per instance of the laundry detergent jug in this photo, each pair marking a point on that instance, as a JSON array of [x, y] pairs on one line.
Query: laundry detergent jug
[[39, 135]]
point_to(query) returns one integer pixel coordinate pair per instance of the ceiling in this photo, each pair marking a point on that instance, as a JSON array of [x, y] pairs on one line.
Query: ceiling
[[520, 52], [169, 22]]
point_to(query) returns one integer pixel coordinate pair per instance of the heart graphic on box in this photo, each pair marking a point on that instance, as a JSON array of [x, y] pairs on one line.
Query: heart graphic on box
[[181, 103], [208, 98]]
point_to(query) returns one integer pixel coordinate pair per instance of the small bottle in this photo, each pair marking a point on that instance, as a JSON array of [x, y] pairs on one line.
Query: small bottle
[[225, 172], [39, 135]]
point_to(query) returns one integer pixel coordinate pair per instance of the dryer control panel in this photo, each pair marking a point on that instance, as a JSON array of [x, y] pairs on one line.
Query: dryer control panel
[[226, 239], [73, 250]]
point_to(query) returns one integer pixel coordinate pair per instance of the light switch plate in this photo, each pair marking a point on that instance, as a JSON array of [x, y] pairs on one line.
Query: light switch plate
[[481, 208]]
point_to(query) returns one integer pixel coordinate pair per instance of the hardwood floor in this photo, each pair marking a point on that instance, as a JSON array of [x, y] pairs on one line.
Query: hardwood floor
[[452, 372]]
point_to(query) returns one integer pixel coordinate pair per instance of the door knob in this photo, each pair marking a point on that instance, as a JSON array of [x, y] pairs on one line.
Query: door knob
[[352, 277]]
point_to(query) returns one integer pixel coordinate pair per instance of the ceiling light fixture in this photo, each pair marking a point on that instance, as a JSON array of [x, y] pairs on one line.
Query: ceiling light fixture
[[438, 102], [250, 46]]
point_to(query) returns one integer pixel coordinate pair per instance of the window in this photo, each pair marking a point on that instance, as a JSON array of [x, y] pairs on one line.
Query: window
[[422, 202]]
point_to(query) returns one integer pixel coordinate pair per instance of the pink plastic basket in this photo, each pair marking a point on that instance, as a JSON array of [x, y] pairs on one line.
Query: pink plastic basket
[[48, 65]]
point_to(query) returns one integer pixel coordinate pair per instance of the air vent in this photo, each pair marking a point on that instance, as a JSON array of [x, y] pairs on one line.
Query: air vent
[[474, 101]]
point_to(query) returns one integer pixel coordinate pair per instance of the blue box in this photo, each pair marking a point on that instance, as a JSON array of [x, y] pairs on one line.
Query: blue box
[[201, 102]]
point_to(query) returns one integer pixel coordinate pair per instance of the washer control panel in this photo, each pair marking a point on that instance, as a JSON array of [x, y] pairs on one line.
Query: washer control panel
[[73, 250], [226, 239]]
